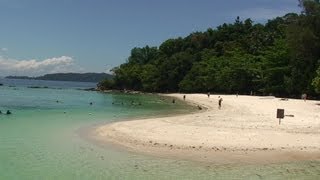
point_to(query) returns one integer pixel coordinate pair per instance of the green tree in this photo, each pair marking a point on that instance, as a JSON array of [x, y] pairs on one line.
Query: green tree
[[304, 46], [106, 84], [316, 81], [280, 57], [142, 55]]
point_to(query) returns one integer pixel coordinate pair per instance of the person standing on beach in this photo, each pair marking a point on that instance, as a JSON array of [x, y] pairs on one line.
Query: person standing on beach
[[220, 101], [184, 97], [208, 94], [304, 97]]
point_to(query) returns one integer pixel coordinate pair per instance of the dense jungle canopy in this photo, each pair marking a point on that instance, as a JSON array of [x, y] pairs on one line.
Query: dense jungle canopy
[[280, 57]]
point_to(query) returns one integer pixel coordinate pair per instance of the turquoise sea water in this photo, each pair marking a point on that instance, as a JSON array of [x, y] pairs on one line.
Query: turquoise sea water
[[41, 140]]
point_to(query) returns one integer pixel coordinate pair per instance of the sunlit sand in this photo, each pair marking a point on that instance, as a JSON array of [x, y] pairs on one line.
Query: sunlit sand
[[244, 130]]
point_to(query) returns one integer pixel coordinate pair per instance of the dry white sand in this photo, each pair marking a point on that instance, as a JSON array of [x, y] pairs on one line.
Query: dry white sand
[[244, 130]]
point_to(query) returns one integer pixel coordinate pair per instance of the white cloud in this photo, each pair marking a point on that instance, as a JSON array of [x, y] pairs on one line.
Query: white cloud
[[4, 49], [35, 67]]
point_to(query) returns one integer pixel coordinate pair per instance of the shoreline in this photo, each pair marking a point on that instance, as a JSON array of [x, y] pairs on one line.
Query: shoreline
[[245, 130]]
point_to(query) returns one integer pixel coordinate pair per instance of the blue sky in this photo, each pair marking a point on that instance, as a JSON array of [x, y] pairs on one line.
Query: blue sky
[[47, 36]]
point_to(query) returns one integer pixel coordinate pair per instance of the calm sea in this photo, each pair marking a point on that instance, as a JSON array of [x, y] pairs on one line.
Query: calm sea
[[40, 139]]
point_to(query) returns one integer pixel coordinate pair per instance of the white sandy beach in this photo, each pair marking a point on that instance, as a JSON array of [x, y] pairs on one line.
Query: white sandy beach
[[244, 130]]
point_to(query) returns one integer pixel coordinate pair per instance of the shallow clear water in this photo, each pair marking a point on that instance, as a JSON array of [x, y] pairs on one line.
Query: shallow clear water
[[41, 140]]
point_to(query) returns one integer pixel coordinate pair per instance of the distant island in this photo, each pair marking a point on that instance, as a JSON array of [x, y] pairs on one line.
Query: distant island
[[78, 77]]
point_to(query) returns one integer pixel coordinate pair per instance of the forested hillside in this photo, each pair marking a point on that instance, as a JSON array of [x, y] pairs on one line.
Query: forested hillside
[[77, 77], [280, 57]]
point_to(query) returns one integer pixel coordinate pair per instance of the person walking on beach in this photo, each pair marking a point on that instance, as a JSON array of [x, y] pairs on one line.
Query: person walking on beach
[[208, 94], [184, 97], [220, 101]]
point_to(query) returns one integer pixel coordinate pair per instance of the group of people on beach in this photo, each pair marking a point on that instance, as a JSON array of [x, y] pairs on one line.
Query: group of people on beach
[[219, 101], [8, 112], [303, 96]]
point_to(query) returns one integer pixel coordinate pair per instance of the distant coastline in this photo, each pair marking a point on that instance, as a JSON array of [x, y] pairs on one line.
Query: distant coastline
[[76, 77]]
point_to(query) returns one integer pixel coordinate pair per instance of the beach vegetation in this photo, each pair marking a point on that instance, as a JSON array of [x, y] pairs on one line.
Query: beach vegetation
[[279, 57]]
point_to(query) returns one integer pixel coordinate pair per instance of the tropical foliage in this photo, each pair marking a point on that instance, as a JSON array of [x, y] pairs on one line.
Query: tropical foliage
[[279, 57]]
